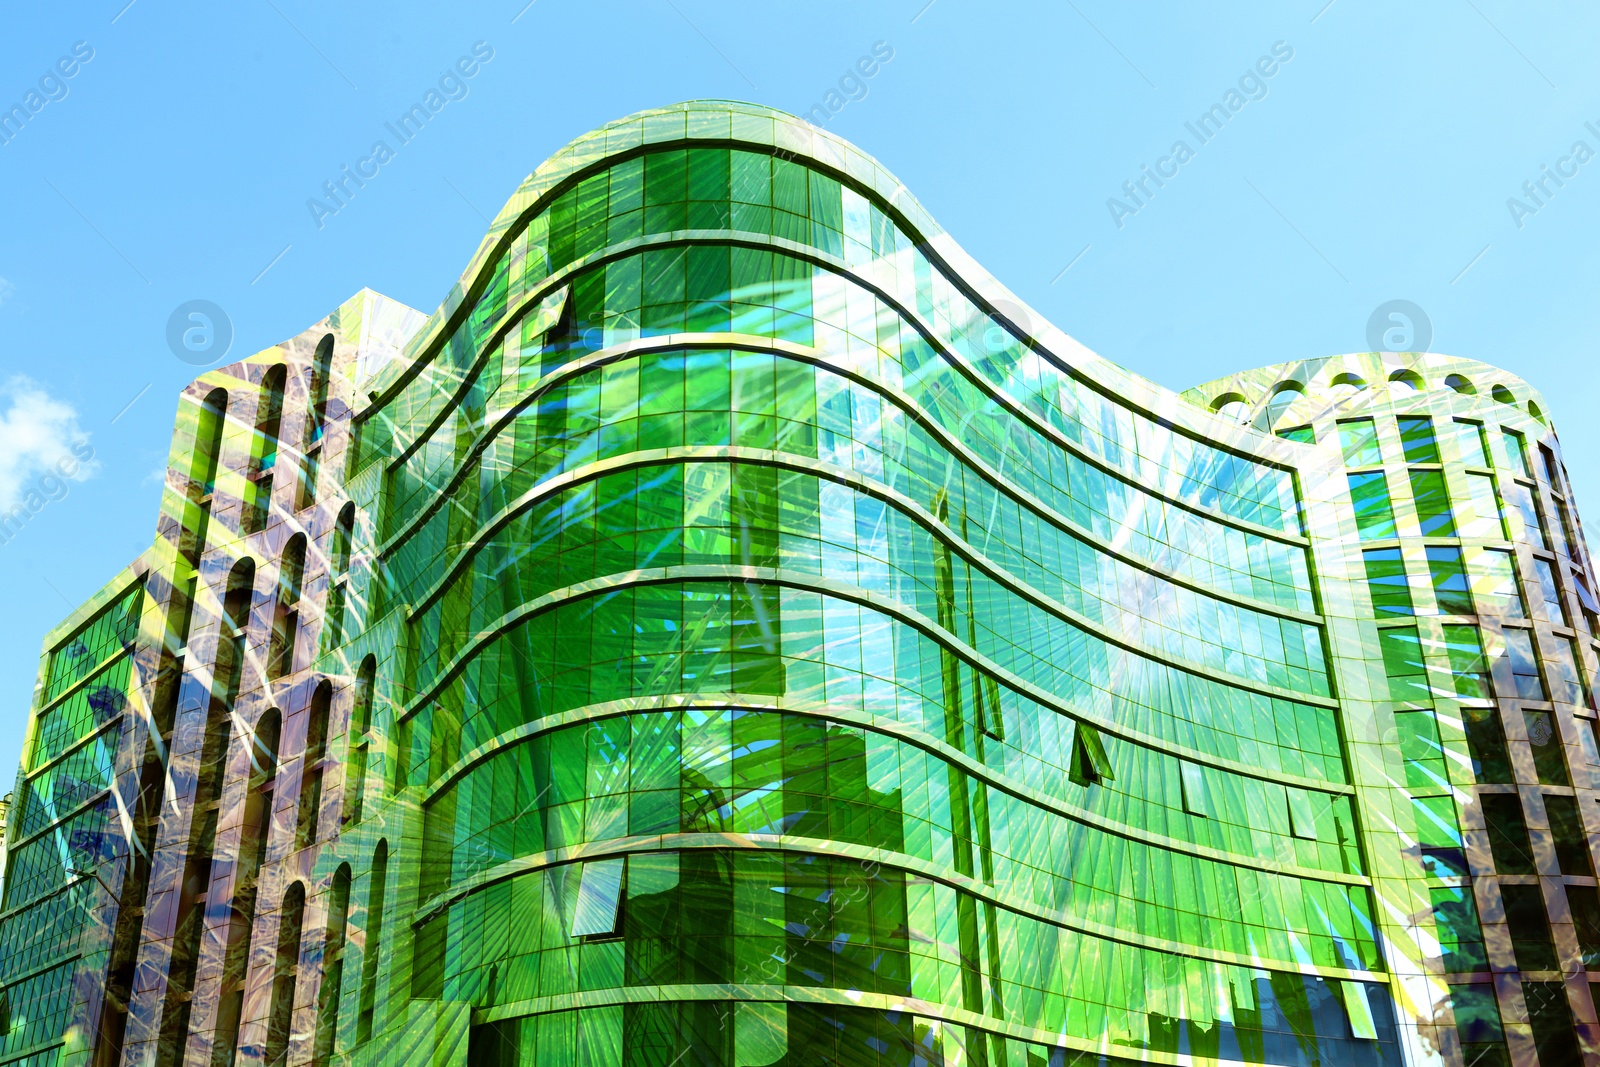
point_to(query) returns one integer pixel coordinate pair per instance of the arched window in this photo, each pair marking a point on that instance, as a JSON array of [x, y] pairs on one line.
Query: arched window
[[332, 967], [316, 418], [1405, 381], [311, 765], [237, 599], [339, 574], [1460, 384], [1231, 406], [321, 370], [1503, 395], [1346, 384], [1534, 410], [206, 808], [202, 475], [286, 965], [1283, 398], [264, 453], [355, 782], [369, 955], [194, 507], [286, 613], [263, 756]]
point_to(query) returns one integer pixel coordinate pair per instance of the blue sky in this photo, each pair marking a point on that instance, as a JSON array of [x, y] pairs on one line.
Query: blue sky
[[1376, 163]]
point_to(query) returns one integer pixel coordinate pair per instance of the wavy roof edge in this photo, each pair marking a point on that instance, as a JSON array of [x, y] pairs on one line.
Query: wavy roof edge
[[756, 124], [1434, 368]]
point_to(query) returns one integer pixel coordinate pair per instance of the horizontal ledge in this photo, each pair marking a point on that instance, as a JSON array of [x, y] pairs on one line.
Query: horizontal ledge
[[888, 727], [728, 454], [745, 992], [958, 363], [624, 846], [893, 609]]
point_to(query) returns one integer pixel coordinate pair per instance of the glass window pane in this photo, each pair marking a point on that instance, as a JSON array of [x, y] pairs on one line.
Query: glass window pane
[[1530, 928], [1194, 788], [1449, 577], [1552, 473], [1591, 608], [1524, 667], [1433, 503], [1566, 828], [1359, 439], [1302, 815], [1569, 527], [1584, 901], [1402, 662], [1477, 1013], [1491, 763], [1469, 441], [1386, 581], [1416, 435], [1532, 524], [1560, 530], [1422, 753], [1455, 913], [1508, 833], [598, 894], [1566, 682], [1374, 514], [1486, 518], [1549, 592], [1545, 740], [1468, 668], [1516, 453], [1494, 584], [1306, 435], [1549, 1012]]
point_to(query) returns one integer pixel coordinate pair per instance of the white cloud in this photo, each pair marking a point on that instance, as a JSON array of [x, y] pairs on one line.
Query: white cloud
[[41, 444], [6, 289]]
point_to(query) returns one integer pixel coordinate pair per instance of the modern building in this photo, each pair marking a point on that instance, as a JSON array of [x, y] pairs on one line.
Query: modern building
[[734, 630]]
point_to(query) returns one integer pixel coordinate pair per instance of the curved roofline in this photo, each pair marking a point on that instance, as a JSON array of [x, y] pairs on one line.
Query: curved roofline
[[1439, 362], [731, 122]]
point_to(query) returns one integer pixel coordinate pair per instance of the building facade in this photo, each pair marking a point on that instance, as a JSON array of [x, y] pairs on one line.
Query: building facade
[[733, 630]]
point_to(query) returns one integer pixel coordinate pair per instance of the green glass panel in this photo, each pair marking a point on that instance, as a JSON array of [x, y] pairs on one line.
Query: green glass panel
[[1432, 501], [1306, 435], [1387, 583], [1369, 491], [1359, 440], [1451, 592], [1468, 666], [1416, 437], [1403, 663]]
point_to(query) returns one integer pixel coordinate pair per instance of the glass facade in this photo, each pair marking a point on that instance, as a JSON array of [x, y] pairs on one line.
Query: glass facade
[[731, 630], [1492, 769]]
